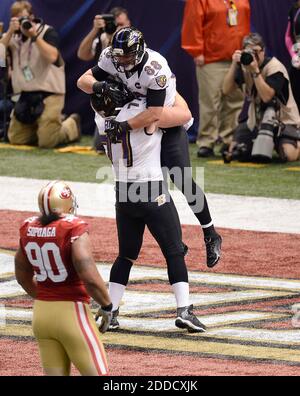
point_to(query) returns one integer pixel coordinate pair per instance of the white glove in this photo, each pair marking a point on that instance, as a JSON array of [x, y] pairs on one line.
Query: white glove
[[106, 319]]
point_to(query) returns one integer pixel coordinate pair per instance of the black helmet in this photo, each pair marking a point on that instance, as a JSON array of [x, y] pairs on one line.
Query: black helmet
[[113, 96], [127, 48]]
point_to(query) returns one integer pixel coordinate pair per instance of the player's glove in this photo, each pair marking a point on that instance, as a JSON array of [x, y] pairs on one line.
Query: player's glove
[[115, 130], [106, 314]]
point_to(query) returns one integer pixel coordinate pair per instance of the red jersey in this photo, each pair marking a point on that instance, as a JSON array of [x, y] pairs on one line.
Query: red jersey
[[48, 250]]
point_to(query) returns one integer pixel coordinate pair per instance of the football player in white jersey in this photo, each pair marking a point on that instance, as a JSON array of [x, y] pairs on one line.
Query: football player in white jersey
[[146, 74], [142, 199]]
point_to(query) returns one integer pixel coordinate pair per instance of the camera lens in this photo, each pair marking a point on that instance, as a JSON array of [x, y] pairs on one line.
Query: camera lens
[[246, 58], [25, 23]]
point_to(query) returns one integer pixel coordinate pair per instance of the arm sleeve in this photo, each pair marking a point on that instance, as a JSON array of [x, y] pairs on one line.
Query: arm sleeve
[[99, 74], [192, 28], [280, 84], [239, 77], [155, 97], [79, 229], [52, 37]]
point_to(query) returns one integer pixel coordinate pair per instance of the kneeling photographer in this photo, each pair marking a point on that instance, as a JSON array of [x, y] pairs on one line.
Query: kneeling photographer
[[273, 116], [38, 76]]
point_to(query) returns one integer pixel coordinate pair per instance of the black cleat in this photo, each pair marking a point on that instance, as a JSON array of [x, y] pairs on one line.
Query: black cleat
[[187, 320], [114, 324], [213, 250]]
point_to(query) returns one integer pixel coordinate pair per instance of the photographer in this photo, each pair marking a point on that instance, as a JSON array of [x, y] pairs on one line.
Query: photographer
[[38, 75], [98, 39], [273, 116], [292, 41], [104, 26]]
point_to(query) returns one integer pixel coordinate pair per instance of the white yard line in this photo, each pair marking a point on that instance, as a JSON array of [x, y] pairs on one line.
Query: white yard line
[[228, 211], [141, 274]]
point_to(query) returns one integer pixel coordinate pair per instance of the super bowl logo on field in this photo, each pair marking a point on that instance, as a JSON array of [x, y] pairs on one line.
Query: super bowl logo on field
[[66, 193]]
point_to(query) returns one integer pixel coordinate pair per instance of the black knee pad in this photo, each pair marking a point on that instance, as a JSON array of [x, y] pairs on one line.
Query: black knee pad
[[177, 271], [120, 271]]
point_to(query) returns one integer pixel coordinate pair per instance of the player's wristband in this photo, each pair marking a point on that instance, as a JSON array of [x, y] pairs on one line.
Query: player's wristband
[[108, 308]]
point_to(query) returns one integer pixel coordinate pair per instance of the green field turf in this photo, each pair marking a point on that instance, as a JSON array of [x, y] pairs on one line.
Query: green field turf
[[270, 181]]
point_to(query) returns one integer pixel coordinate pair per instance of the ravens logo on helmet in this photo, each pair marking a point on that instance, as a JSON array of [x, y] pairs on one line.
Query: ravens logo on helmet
[[127, 49]]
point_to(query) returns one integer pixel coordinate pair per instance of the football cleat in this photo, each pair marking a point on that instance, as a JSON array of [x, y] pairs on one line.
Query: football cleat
[[57, 198], [187, 320], [114, 323], [213, 250]]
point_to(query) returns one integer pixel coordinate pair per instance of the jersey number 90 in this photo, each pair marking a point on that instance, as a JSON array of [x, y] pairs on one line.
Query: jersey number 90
[[39, 258]]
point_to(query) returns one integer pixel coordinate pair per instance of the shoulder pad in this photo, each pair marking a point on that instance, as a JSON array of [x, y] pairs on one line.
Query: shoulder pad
[[72, 220], [30, 219]]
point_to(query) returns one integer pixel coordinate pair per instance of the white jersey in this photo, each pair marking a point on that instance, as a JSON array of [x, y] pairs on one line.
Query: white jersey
[[137, 157], [155, 74]]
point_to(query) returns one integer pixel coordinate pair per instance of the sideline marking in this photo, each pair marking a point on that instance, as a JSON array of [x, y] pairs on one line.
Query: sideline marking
[[17, 147], [293, 169], [237, 164]]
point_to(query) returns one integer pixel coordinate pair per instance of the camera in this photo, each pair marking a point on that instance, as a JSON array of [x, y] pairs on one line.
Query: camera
[[110, 24], [247, 57], [25, 23]]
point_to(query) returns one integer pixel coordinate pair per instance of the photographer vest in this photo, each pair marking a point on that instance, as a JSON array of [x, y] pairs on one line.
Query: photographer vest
[[44, 76], [288, 113]]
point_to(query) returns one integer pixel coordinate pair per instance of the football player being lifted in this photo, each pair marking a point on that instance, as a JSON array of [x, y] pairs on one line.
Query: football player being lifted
[[142, 197], [146, 74], [54, 265]]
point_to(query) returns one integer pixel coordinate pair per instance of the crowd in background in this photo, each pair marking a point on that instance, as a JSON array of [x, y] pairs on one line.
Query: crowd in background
[[219, 42], [36, 73]]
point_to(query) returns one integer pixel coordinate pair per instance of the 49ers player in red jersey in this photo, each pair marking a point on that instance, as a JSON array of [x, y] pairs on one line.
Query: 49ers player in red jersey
[[54, 265]]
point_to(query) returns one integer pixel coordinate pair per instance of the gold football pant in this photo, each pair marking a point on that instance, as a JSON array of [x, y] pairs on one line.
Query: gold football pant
[[67, 332], [48, 131]]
